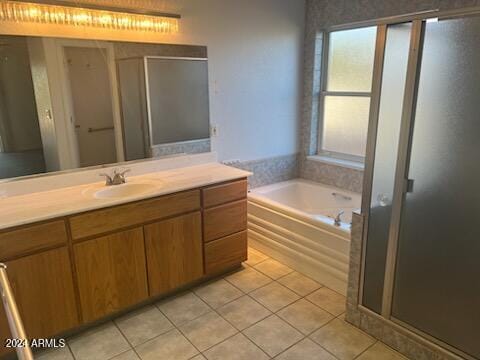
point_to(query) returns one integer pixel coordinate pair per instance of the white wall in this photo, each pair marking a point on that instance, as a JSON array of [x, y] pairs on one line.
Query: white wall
[[255, 66]]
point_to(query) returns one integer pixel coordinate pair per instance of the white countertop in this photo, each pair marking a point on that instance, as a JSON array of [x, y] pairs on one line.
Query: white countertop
[[40, 206]]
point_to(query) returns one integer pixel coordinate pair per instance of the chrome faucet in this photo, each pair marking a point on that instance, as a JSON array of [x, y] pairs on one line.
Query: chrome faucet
[[338, 219], [117, 178]]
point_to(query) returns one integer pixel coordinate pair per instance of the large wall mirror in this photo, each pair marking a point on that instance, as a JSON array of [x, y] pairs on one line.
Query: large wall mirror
[[69, 104]]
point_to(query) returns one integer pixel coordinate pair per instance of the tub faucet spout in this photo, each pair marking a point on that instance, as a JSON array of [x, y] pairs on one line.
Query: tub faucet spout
[[338, 219]]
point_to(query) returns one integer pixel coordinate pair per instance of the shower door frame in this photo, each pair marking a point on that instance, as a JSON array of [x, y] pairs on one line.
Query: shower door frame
[[401, 184]]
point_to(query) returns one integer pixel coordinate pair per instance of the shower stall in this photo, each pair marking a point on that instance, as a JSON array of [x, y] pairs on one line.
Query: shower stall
[[420, 267]]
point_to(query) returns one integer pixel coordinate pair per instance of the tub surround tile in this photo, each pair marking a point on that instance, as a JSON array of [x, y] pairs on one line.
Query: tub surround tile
[[143, 325], [300, 284], [238, 347], [248, 279], [273, 269], [243, 312], [328, 300], [355, 258], [306, 349], [274, 296], [305, 316], [331, 174], [342, 340], [273, 335], [218, 293], [170, 346], [270, 170], [183, 308], [207, 331], [103, 342]]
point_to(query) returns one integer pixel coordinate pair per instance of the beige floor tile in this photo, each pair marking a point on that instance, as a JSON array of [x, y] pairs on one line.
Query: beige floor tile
[[304, 316], [144, 324], [218, 293], [169, 346], [328, 300], [103, 342], [243, 312], [273, 335], [237, 347], [128, 355], [306, 350], [183, 308], [342, 340], [198, 357], [299, 283], [255, 257], [56, 354], [274, 296], [248, 279], [380, 351], [273, 268], [207, 330]]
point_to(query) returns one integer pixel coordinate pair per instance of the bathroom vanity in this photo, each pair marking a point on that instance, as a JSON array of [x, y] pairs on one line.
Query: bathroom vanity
[[73, 269]]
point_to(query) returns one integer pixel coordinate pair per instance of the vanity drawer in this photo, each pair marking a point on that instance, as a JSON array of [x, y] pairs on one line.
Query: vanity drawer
[[223, 193], [226, 252], [123, 216], [32, 238], [224, 220]]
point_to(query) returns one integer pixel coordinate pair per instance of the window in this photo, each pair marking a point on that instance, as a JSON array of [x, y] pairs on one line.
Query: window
[[346, 92]]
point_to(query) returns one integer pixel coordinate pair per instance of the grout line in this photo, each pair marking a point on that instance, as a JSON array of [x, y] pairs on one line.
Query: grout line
[[128, 341], [194, 318], [356, 357]]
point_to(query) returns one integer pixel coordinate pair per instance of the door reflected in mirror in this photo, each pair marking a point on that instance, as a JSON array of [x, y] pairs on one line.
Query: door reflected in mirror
[[68, 104]]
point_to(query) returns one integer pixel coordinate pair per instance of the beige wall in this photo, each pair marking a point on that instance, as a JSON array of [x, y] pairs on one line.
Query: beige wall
[[255, 50]]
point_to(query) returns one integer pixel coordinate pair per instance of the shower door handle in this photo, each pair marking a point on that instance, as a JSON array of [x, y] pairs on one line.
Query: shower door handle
[[408, 187]]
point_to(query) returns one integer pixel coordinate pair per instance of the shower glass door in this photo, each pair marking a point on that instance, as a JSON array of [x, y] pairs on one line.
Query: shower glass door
[[436, 287]]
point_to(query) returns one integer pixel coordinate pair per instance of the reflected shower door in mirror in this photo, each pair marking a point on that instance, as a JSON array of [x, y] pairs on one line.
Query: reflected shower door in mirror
[[68, 104], [168, 112]]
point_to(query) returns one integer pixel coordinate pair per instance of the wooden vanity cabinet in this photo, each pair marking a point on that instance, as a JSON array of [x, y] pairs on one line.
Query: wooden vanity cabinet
[[111, 273], [41, 279], [224, 226], [174, 249], [82, 268]]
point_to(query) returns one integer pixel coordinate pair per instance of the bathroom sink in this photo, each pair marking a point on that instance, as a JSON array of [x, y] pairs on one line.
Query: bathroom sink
[[123, 191]]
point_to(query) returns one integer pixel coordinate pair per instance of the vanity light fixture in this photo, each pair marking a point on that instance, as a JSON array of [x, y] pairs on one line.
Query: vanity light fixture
[[85, 14]]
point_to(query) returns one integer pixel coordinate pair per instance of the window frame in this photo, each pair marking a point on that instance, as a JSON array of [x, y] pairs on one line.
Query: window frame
[[324, 92]]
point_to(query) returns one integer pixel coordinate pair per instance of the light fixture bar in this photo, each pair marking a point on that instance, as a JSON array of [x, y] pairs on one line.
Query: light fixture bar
[[90, 6], [59, 12]]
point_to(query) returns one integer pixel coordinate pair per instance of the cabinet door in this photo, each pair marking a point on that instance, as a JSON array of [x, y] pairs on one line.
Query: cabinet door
[[111, 273], [174, 252], [43, 288]]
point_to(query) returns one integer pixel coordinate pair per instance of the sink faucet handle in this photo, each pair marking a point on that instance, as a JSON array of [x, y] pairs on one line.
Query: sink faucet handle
[[119, 176], [108, 179], [122, 172]]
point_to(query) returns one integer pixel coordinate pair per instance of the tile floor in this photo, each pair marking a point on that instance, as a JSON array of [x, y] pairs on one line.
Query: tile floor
[[263, 311]]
